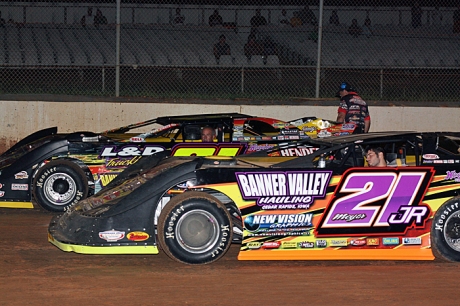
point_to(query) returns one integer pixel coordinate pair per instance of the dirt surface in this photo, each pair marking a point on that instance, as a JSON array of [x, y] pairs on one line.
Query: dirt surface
[[34, 272]]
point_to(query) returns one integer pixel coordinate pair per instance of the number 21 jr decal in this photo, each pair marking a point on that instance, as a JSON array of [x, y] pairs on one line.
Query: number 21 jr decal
[[377, 201]]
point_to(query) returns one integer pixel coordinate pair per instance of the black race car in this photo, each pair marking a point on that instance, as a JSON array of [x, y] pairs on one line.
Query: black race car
[[326, 205], [58, 170]]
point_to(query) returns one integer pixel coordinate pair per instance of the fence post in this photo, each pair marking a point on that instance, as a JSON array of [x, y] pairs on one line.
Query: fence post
[[318, 57], [117, 53], [242, 79], [381, 83]]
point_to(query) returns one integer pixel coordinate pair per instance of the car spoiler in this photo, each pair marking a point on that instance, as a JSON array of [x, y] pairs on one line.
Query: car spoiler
[[32, 137], [126, 128]]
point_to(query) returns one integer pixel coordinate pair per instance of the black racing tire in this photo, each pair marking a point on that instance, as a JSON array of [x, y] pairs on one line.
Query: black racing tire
[[194, 228], [59, 184], [445, 231]]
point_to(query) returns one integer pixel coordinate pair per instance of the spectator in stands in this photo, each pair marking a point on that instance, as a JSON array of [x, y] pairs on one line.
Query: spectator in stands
[[208, 134], [178, 18], [307, 16], [221, 48], [354, 29], [99, 18], [295, 20], [334, 19], [416, 12], [2, 21], [252, 47], [353, 109], [456, 21], [436, 16], [367, 28], [215, 19], [88, 18], [375, 157], [313, 36], [258, 20], [283, 18], [269, 46]]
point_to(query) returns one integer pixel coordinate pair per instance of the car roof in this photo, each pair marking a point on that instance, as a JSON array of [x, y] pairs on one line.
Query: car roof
[[356, 138], [200, 118]]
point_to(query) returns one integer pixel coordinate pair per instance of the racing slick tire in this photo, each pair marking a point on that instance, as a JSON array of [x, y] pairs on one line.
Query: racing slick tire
[[59, 184], [194, 228], [445, 231]]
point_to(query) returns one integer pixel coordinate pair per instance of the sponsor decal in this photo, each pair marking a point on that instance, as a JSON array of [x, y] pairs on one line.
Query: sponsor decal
[[255, 147], [321, 243], [253, 245], [107, 178], [21, 175], [372, 241], [324, 133], [412, 240], [290, 131], [390, 241], [121, 162], [137, 236], [22, 187], [129, 151], [453, 175], [299, 151], [1, 185], [338, 242], [437, 161], [348, 126], [2, 193], [271, 245], [357, 203], [136, 139], [357, 242], [430, 156], [289, 245], [306, 245], [281, 222], [279, 125], [112, 236], [309, 129], [283, 190]]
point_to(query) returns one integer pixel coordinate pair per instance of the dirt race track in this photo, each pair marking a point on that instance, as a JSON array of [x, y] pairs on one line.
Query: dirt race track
[[34, 272]]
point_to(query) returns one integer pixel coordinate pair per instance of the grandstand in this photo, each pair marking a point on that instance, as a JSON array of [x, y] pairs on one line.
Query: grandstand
[[49, 35], [166, 45]]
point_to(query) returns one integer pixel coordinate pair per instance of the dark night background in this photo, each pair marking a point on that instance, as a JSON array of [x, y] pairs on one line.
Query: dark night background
[[426, 3]]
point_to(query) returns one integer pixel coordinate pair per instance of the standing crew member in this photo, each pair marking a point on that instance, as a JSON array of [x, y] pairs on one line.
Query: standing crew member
[[353, 109]]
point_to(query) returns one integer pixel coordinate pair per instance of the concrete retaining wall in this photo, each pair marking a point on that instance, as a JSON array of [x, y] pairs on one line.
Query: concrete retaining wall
[[20, 118]]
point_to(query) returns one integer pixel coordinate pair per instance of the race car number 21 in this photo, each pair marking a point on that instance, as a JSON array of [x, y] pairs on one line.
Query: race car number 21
[[377, 201]]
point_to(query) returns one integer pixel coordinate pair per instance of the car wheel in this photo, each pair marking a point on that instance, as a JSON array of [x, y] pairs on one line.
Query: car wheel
[[445, 231], [59, 184], [194, 228]]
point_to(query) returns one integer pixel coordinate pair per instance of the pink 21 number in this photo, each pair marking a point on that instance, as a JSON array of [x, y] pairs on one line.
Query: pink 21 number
[[377, 201]]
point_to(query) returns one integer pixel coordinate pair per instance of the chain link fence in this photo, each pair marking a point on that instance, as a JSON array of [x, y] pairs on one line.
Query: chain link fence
[[391, 52]]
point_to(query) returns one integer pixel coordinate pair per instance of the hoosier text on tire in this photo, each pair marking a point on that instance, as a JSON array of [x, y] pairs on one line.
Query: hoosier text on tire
[[445, 231], [59, 184], [195, 228]]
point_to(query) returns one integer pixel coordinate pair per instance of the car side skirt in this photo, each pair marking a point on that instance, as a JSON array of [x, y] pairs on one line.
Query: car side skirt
[[85, 249], [9, 204], [409, 254]]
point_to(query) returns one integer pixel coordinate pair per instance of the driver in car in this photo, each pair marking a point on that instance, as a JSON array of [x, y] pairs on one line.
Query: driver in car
[[375, 157], [208, 134]]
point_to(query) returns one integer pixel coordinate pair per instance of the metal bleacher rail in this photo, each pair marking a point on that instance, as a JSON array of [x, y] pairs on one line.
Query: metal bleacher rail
[[45, 49]]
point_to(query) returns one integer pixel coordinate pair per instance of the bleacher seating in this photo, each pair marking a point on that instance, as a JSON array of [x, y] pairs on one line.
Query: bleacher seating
[[191, 45]]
